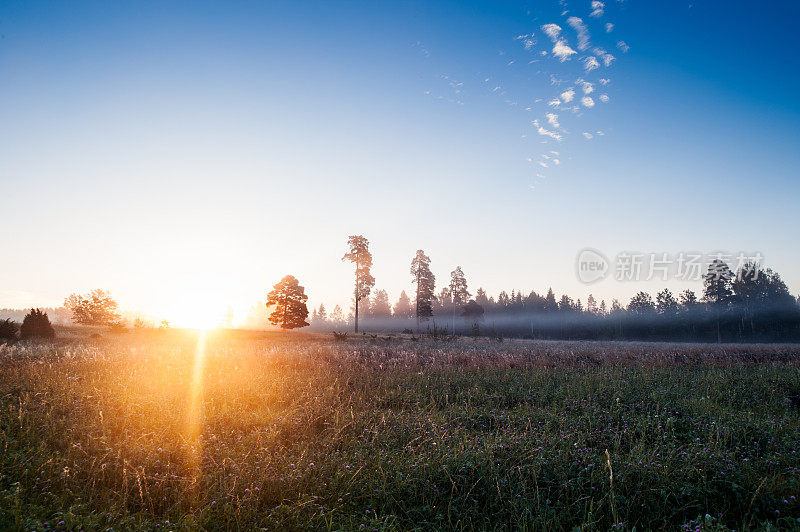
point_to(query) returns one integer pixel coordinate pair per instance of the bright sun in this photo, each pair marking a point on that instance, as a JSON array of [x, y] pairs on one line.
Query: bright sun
[[201, 314], [197, 318], [196, 301]]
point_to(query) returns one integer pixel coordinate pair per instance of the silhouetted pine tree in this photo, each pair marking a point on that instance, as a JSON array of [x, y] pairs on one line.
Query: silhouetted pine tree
[[358, 253], [403, 308], [36, 325], [425, 281], [8, 330], [381, 308], [717, 290], [550, 304]]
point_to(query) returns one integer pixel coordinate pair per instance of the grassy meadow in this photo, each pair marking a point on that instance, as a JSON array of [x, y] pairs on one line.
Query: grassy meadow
[[176, 430]]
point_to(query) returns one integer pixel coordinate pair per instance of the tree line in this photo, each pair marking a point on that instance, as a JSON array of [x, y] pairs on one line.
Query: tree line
[[751, 304]]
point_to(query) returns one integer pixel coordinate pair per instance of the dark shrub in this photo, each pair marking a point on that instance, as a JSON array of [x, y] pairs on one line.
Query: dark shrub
[[8, 330], [117, 328], [36, 325]]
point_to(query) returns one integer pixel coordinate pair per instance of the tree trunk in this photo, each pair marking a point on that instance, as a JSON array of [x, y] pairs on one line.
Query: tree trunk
[[454, 316], [356, 313], [417, 302], [355, 292]]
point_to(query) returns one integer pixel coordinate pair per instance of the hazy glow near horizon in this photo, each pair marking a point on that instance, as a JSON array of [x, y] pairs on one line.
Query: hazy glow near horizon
[[185, 158]]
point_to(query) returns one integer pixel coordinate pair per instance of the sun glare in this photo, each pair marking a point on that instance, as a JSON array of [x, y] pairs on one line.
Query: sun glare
[[183, 308], [197, 318]]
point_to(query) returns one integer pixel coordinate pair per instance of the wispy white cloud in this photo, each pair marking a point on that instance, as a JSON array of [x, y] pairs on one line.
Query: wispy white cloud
[[582, 31], [543, 165], [604, 81], [556, 162], [552, 118], [609, 27], [604, 56], [587, 101], [604, 98], [528, 41], [552, 31], [555, 102], [587, 87], [597, 8], [562, 50], [546, 132], [622, 46], [590, 63], [587, 134], [567, 95]]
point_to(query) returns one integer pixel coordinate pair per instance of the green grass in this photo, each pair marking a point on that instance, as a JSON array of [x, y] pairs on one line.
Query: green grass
[[296, 431]]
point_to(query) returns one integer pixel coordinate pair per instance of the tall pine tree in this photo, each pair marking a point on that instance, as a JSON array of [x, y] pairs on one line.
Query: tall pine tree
[[458, 291], [360, 256], [381, 308], [403, 308], [426, 284], [717, 290]]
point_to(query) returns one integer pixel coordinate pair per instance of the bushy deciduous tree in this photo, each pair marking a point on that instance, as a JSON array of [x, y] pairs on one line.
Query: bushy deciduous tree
[[288, 301], [96, 308]]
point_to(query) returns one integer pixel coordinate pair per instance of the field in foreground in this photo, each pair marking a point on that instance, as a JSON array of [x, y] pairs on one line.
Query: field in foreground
[[178, 431]]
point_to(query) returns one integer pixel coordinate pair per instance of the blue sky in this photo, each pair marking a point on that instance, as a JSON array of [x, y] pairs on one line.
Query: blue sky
[[190, 154]]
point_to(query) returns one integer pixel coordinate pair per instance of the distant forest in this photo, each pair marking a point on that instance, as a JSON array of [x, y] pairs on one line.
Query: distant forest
[[750, 305]]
